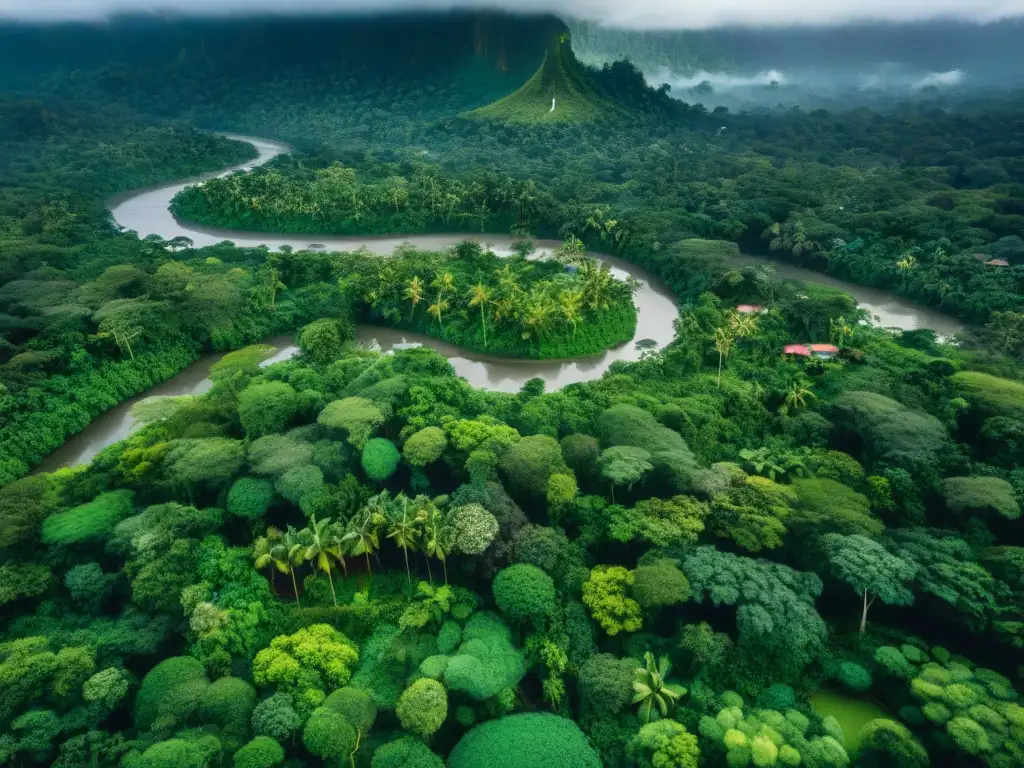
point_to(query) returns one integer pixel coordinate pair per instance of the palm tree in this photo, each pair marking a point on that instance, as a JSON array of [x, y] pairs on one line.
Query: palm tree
[[537, 314], [572, 251], [362, 535], [797, 395], [569, 303], [403, 529], [656, 697], [724, 339], [414, 293], [444, 282], [262, 549], [906, 263], [437, 310], [432, 535], [480, 296], [322, 545], [743, 326], [288, 553]]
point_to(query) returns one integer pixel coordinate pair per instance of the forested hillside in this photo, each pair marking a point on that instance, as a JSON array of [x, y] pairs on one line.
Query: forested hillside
[[787, 538]]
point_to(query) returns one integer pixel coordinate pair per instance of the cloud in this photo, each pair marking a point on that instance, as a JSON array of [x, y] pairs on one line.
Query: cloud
[[650, 14], [949, 79]]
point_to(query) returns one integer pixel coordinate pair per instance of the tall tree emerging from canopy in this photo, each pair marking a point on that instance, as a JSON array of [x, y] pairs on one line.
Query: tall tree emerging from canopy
[[870, 569]]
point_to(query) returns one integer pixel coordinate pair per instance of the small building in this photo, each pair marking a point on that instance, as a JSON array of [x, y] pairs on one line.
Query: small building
[[824, 351], [750, 309], [796, 349], [997, 263]]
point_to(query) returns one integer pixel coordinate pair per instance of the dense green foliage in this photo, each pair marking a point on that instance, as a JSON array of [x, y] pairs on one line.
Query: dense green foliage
[[356, 558]]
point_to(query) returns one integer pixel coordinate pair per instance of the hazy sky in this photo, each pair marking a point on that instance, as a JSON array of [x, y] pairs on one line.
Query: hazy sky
[[632, 13]]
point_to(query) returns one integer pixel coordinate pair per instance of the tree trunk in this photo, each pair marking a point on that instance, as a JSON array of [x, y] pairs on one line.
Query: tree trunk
[[444, 564], [408, 573], [719, 370], [369, 569], [430, 576], [295, 587], [334, 597], [864, 614]]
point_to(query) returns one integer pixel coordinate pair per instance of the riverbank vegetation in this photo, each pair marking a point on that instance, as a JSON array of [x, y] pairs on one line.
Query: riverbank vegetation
[[567, 306]]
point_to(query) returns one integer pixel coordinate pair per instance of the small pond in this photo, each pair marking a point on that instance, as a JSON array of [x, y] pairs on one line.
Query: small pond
[[852, 712]]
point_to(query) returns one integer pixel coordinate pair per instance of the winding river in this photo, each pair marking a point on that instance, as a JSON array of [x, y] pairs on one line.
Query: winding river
[[147, 212]]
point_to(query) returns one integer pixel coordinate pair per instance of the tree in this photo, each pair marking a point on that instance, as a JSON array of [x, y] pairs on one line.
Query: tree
[[328, 736], [356, 706], [624, 465], [316, 657], [357, 416], [170, 693], [261, 752], [661, 522], [228, 703], [425, 446], [471, 529], [173, 753], [362, 532], [423, 707], [403, 528], [322, 341], [266, 407], [276, 717], [724, 340], [570, 303], [90, 521], [867, 567], [322, 544], [535, 740], [480, 296], [249, 498], [380, 459], [524, 592], [414, 293], [406, 752], [87, 583], [660, 583], [664, 744], [653, 695], [529, 463], [605, 594], [888, 744], [286, 554], [193, 463], [981, 494]]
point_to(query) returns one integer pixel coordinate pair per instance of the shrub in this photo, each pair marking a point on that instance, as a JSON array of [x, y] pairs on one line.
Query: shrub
[[853, 676], [423, 707], [406, 752], [261, 752], [380, 459], [524, 741], [524, 592], [250, 498], [170, 692], [88, 522], [328, 735]]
